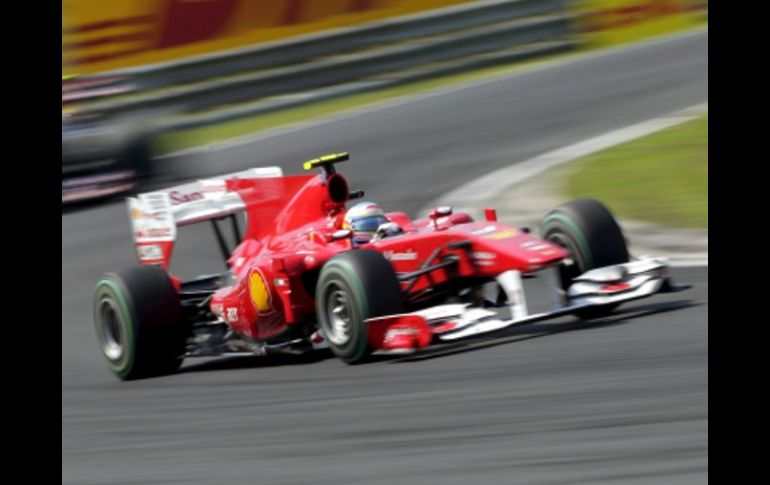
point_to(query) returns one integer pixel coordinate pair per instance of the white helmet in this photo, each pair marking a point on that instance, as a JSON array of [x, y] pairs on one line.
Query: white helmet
[[363, 219]]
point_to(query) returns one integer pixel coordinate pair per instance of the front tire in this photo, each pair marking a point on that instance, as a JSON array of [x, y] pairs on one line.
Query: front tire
[[139, 322], [593, 238], [353, 286]]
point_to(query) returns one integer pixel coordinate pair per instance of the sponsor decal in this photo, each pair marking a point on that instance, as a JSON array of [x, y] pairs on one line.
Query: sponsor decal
[[615, 287], [150, 253], [259, 292], [545, 249], [157, 233], [482, 255], [151, 217], [484, 230], [503, 234], [180, 197], [137, 214], [232, 315], [200, 190], [445, 327], [155, 201], [408, 255], [483, 258], [535, 245], [493, 232]]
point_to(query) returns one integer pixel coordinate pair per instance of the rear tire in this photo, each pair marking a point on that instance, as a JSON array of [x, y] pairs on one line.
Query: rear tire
[[353, 286], [592, 236], [139, 322]]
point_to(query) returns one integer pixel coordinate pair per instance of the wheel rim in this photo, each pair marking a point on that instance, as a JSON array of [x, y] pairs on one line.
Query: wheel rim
[[338, 316], [111, 332]]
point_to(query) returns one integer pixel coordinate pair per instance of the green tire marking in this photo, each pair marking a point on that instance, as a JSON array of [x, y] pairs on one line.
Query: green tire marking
[[129, 327], [579, 237], [348, 269]]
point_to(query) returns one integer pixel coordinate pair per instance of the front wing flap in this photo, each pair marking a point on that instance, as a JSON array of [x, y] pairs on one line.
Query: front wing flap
[[603, 286]]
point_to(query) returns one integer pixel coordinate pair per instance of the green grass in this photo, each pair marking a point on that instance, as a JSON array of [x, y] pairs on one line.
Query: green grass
[[661, 178]]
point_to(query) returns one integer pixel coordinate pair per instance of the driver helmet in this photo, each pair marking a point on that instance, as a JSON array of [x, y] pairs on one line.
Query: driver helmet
[[363, 219]]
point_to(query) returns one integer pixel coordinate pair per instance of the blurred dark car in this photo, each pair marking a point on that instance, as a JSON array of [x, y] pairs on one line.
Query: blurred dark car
[[102, 155]]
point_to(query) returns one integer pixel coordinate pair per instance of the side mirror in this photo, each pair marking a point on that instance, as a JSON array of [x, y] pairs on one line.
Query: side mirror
[[442, 211], [341, 234]]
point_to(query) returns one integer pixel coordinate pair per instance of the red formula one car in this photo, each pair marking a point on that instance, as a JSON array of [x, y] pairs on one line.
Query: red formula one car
[[305, 275]]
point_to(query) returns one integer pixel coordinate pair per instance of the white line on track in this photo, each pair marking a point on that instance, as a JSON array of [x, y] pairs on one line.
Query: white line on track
[[454, 88], [683, 263], [493, 185]]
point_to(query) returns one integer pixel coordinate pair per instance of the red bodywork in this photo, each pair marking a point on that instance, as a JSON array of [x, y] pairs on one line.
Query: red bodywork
[[289, 238]]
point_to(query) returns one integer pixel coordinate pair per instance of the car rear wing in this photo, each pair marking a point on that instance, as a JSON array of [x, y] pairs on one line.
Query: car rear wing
[[155, 216], [326, 162]]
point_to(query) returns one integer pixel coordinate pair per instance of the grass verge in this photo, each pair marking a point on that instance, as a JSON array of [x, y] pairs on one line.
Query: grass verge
[[660, 178]]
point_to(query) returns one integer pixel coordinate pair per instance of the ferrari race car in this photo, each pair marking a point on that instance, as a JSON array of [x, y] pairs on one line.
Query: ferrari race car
[[299, 280]]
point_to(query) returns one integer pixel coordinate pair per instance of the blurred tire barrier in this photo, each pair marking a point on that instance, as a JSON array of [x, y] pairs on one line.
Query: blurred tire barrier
[[269, 77], [100, 36], [609, 22]]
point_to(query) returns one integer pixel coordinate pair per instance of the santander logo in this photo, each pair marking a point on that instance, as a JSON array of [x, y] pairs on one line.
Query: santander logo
[[180, 197]]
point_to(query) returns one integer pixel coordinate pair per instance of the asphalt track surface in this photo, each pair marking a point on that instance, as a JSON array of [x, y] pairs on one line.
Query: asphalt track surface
[[622, 400]]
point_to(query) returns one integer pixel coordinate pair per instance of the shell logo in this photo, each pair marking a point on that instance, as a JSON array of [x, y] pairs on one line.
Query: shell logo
[[503, 234], [259, 293]]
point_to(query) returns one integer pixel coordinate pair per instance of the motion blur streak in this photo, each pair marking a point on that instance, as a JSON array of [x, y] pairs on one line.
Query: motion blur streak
[[120, 34], [620, 401]]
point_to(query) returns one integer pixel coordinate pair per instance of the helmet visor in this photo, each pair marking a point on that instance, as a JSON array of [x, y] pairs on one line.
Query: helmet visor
[[367, 224]]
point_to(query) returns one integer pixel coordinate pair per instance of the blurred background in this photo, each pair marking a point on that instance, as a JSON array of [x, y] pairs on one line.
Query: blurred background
[[427, 96], [145, 78]]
